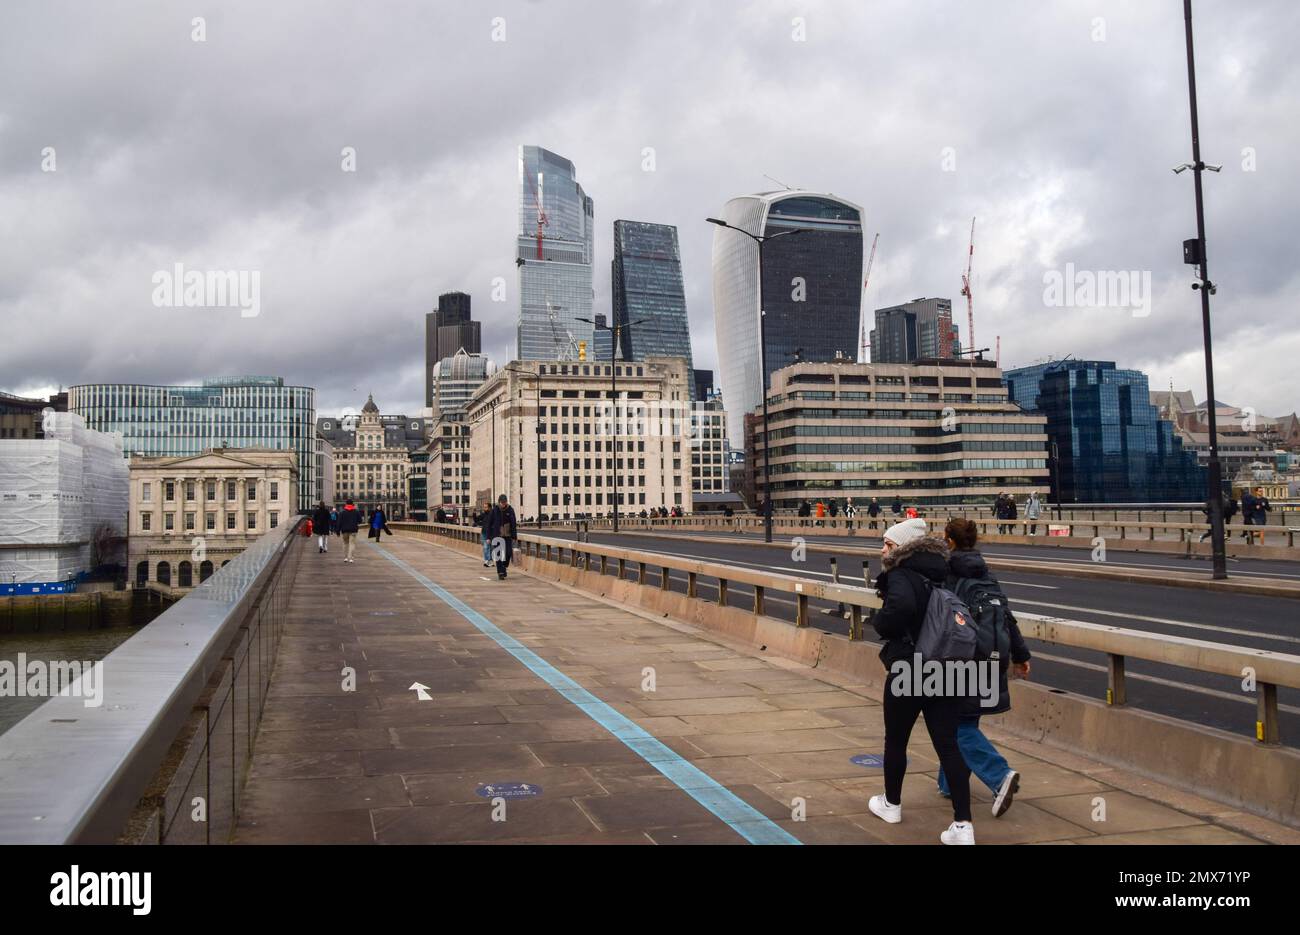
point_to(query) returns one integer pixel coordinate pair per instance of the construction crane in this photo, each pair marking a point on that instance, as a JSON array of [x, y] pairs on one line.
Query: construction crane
[[866, 279], [965, 288], [542, 220], [562, 347]]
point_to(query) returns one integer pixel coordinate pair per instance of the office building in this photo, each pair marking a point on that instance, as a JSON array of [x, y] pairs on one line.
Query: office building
[[448, 329], [372, 458], [583, 434], [709, 470], [456, 379], [1111, 444], [929, 432], [231, 412], [921, 329], [812, 285], [554, 252], [602, 341], [647, 287], [22, 417], [193, 513], [704, 389]]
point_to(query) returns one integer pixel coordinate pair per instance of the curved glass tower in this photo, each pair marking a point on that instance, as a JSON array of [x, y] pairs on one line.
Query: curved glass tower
[[812, 286], [553, 251]]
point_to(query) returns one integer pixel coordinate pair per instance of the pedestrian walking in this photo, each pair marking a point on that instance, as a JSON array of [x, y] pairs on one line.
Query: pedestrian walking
[[805, 510], [897, 506], [1032, 510], [970, 579], [850, 512], [913, 565], [821, 512], [1229, 511], [320, 522], [502, 529], [481, 523], [334, 522], [349, 523], [378, 524], [873, 510]]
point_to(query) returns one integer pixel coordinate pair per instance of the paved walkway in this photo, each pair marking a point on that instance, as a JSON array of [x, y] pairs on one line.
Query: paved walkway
[[536, 714]]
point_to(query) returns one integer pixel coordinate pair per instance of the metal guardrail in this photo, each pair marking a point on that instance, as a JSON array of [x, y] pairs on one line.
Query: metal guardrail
[[76, 774], [1270, 670], [1149, 530]]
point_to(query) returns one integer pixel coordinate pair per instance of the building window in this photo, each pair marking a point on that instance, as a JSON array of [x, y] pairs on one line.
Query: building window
[[189, 490], [275, 490], [252, 490], [210, 521], [189, 522], [212, 490], [169, 490], [275, 520], [230, 521], [230, 490], [169, 522], [146, 521], [146, 493], [252, 520]]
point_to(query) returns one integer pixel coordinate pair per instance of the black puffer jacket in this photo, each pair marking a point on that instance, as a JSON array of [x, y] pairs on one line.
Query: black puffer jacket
[[970, 564], [904, 586]]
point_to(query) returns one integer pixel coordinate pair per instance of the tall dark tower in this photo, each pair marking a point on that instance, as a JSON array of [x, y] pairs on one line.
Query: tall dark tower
[[447, 329]]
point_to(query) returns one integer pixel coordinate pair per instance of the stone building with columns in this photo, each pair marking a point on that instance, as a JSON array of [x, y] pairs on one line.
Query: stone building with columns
[[191, 514], [372, 459]]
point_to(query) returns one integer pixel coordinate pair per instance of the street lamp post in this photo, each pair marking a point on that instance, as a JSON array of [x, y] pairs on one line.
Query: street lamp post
[[615, 330], [1194, 254], [762, 365]]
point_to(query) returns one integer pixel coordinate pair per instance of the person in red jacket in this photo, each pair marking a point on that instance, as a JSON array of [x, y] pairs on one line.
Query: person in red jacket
[[349, 522]]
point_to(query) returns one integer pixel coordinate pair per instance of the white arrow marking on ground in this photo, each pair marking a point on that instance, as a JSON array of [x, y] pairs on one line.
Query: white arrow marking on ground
[[421, 691]]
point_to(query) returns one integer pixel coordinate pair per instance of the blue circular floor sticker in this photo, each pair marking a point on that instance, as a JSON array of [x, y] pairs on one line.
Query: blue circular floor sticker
[[509, 790], [870, 760]]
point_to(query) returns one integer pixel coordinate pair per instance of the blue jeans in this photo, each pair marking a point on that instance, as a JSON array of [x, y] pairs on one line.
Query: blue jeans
[[487, 548], [981, 756]]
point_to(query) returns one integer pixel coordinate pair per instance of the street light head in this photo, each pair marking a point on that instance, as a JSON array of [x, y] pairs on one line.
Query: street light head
[[1184, 167], [718, 222], [1213, 168]]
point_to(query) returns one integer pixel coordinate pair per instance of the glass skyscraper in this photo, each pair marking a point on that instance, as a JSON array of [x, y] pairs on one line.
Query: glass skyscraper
[[812, 285], [647, 286], [554, 251], [1112, 444], [921, 329], [233, 412]]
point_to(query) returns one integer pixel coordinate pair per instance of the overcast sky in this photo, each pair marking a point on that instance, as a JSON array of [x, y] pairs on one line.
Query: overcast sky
[[1056, 124]]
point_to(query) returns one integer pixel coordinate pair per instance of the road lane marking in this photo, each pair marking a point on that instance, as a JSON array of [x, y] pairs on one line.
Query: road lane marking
[[1216, 628], [739, 815]]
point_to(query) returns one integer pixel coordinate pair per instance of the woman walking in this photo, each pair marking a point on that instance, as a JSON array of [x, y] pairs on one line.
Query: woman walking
[[913, 565]]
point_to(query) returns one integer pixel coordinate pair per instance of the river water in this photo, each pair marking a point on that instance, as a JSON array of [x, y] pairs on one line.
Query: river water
[[81, 645]]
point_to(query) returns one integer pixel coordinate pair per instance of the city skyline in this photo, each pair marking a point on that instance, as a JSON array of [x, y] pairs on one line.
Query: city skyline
[[422, 215]]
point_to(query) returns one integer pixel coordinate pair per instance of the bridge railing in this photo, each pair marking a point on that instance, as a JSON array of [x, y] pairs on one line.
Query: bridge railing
[[171, 738], [990, 528], [1267, 670]]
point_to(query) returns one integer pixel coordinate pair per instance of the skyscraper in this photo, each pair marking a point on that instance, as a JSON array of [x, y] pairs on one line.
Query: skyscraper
[[554, 251], [602, 341], [1112, 444], [921, 329], [647, 287], [448, 329], [812, 286]]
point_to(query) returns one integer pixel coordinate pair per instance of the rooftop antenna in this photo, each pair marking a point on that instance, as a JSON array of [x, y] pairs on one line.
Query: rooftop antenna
[[778, 181]]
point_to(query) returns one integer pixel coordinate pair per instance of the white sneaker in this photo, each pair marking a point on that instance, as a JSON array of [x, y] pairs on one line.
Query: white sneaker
[[881, 808], [959, 832], [1006, 792]]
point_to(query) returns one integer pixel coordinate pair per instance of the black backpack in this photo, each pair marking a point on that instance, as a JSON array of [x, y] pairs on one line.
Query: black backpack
[[988, 606]]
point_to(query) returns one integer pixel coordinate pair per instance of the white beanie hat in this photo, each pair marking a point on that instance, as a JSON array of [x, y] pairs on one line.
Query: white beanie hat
[[909, 530]]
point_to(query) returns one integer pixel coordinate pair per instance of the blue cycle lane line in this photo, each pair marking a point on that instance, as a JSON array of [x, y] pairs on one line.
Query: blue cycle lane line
[[739, 815]]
